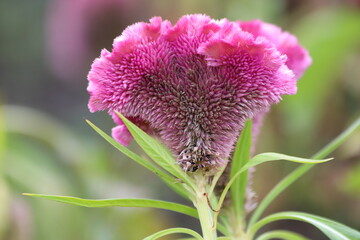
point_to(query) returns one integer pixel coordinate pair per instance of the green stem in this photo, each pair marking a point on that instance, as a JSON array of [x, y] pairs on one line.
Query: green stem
[[237, 226], [216, 179], [205, 212]]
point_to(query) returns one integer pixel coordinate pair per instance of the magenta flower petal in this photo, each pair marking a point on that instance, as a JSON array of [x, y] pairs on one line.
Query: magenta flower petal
[[192, 85], [121, 134], [298, 59]]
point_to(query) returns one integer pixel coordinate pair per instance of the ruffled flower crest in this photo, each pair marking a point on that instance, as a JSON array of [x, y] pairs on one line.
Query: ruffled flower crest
[[298, 58], [192, 85]]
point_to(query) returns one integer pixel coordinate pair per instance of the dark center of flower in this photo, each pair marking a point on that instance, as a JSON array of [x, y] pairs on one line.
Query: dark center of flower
[[193, 158]]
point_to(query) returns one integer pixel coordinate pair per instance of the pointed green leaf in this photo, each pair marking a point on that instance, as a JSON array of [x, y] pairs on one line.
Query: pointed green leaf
[[333, 230], [156, 151], [266, 157], [120, 203], [145, 163], [262, 158], [298, 172], [174, 231], [240, 159], [170, 181], [214, 182]]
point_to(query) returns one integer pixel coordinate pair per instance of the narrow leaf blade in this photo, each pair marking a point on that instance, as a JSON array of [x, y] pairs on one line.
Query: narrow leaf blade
[[156, 151], [240, 159], [120, 203], [170, 181], [145, 163], [333, 230], [267, 157], [301, 170]]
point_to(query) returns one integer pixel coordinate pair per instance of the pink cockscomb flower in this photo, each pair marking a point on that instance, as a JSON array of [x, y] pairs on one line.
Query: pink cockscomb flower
[[192, 85]]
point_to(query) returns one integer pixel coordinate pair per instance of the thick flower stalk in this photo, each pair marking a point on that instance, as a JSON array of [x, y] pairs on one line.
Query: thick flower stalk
[[194, 84]]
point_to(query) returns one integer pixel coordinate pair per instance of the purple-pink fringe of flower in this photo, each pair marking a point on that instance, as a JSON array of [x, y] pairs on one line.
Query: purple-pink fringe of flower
[[194, 84]]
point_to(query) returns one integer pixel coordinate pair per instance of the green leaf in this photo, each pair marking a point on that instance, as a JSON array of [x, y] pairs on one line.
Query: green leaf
[[157, 152], [262, 158], [240, 159], [120, 203], [298, 172], [170, 181], [214, 182], [174, 231], [145, 163], [333, 230], [281, 234], [266, 157]]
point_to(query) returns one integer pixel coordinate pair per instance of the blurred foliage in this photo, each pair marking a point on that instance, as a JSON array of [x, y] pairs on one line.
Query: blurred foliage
[[351, 182], [43, 155], [329, 46], [45, 146]]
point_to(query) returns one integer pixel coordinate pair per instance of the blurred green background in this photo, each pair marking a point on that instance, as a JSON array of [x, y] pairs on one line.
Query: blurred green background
[[46, 48]]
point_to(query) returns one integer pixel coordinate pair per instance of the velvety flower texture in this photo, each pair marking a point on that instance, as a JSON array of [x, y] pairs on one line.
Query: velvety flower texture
[[194, 84]]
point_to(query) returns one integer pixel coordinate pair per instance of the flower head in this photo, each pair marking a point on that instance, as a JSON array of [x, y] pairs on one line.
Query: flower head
[[192, 85]]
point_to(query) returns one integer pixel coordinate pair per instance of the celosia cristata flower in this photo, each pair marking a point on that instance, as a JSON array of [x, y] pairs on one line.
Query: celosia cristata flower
[[192, 85]]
